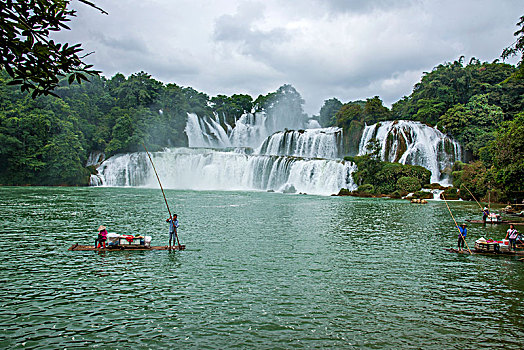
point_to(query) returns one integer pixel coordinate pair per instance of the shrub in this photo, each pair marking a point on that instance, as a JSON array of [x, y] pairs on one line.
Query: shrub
[[450, 193], [344, 192], [423, 195], [409, 184], [366, 188], [396, 194]]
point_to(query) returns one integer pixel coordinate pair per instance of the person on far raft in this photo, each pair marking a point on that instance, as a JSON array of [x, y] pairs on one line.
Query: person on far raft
[[102, 237], [485, 213], [512, 235], [462, 236], [173, 226]]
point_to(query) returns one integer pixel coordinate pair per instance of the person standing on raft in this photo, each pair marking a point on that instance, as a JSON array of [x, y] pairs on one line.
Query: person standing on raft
[[512, 235], [102, 237], [173, 226], [462, 236]]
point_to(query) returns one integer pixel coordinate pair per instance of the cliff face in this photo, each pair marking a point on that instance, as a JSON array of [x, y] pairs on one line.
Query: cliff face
[[351, 138]]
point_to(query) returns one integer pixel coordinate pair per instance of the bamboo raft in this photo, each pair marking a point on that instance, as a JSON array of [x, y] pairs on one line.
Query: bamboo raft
[[494, 222], [78, 247], [484, 252]]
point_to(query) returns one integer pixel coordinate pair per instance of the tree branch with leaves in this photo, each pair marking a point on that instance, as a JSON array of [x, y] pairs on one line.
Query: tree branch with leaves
[[29, 56]]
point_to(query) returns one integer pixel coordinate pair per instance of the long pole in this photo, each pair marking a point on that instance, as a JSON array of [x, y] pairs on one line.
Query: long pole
[[456, 225], [167, 205], [473, 197]]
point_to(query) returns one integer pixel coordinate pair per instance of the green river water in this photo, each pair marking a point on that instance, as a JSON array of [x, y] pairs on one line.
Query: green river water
[[261, 271]]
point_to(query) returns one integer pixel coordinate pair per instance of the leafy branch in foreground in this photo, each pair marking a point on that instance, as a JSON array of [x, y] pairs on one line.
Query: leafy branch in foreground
[[31, 59]]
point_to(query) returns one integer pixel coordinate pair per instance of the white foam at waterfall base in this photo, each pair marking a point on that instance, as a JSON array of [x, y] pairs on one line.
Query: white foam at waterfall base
[[207, 169], [425, 146]]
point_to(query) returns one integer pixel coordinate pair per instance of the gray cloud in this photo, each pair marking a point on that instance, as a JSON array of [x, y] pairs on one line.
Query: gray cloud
[[365, 6], [325, 48]]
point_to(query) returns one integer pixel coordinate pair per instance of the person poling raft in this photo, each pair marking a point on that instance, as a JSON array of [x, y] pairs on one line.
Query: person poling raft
[[173, 219], [462, 232], [494, 247], [487, 216]]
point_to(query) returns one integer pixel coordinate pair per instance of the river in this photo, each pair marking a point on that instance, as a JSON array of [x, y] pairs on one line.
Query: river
[[261, 270]]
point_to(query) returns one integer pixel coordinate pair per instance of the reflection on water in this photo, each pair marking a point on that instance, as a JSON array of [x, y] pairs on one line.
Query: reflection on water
[[261, 270]]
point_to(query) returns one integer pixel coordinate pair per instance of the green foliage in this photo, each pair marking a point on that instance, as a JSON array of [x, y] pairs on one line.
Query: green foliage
[[351, 137], [374, 111], [349, 112], [423, 195], [408, 184], [472, 124], [328, 112], [452, 84], [47, 140], [450, 193], [369, 112], [232, 108], [29, 56], [385, 176], [517, 47], [366, 188]]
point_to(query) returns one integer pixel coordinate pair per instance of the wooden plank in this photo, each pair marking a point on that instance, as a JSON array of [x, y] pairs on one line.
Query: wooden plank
[[78, 247], [481, 252], [497, 223]]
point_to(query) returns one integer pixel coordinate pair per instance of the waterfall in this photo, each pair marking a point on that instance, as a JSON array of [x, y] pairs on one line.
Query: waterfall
[[258, 152], [310, 143], [208, 169], [250, 130], [414, 143]]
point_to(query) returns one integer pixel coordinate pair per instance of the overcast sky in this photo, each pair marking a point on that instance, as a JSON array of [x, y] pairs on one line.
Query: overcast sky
[[348, 49]]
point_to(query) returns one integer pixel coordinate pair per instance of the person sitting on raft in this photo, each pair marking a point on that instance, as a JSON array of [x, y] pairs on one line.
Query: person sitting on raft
[[462, 236], [512, 235], [485, 213], [102, 237]]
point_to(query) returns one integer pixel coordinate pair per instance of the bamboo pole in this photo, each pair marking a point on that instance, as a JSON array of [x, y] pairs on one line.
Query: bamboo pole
[[473, 197], [456, 225], [167, 205]]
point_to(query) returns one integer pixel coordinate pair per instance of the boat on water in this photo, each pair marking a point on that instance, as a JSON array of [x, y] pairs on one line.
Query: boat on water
[[495, 222], [490, 247], [78, 247], [117, 242], [483, 252]]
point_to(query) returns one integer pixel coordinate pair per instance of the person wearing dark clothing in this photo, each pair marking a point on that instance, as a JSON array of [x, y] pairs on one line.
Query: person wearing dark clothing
[[462, 236], [173, 226], [485, 214]]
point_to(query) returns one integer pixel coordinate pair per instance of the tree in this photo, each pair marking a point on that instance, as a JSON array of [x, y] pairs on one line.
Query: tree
[[375, 111], [30, 57], [328, 112], [349, 112], [472, 124], [517, 47]]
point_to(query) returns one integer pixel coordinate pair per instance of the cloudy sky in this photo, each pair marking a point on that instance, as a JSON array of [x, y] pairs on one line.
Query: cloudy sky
[[348, 49]]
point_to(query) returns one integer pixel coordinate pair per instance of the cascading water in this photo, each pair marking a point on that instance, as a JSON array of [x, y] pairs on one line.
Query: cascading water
[[310, 143], [95, 159], [414, 143], [207, 169], [250, 130], [252, 156]]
